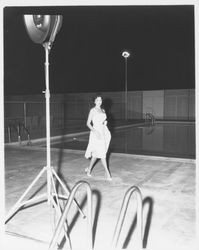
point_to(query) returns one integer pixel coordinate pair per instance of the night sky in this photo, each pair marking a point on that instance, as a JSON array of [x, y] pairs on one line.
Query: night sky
[[86, 54]]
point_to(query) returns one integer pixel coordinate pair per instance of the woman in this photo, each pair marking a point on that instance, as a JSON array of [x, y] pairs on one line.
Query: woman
[[99, 138]]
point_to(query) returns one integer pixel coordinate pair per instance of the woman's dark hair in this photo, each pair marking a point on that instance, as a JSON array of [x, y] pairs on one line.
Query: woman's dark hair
[[94, 98], [97, 95]]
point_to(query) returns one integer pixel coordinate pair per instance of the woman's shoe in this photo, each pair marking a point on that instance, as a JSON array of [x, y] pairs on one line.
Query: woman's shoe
[[88, 174], [109, 178]]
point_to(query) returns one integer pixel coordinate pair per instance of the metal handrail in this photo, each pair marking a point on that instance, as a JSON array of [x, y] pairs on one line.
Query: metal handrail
[[18, 130], [122, 214], [26, 130], [151, 117], [66, 210]]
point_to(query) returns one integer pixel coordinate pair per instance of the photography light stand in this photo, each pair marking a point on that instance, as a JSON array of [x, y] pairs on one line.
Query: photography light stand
[[51, 195]]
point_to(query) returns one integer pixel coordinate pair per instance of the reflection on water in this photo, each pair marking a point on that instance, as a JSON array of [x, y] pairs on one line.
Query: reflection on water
[[170, 140]]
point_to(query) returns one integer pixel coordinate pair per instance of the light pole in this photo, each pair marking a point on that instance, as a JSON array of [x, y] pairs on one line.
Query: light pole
[[126, 54]]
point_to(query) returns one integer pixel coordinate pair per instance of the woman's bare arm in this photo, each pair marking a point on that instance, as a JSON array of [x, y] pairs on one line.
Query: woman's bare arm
[[89, 120], [89, 125]]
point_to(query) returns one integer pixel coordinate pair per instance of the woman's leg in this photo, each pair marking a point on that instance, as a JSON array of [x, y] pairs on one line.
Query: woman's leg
[[89, 169], [104, 163]]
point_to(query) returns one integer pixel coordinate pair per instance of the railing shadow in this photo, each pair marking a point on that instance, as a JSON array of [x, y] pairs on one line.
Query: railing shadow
[[146, 228], [150, 202]]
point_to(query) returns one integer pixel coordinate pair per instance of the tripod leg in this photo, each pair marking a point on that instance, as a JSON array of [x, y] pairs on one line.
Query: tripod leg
[[68, 191], [18, 203], [58, 210]]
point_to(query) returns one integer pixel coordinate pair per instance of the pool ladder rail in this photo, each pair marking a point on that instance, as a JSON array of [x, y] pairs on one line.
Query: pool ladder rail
[[121, 217], [65, 213], [150, 118], [119, 225], [18, 129]]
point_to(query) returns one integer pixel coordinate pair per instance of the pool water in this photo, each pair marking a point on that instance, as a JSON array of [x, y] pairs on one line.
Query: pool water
[[162, 139]]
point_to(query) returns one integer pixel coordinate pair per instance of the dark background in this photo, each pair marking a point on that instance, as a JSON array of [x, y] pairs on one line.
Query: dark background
[[86, 54]]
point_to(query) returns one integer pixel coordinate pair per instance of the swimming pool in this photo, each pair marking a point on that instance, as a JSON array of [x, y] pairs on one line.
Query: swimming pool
[[162, 139]]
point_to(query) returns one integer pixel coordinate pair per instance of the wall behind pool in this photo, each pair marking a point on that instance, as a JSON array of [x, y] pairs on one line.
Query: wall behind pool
[[170, 104], [178, 104]]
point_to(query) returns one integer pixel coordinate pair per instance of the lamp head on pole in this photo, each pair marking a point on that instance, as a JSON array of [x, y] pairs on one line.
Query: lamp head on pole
[[42, 28], [126, 54]]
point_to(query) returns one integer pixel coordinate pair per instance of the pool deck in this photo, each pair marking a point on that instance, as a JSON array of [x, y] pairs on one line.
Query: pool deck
[[167, 186]]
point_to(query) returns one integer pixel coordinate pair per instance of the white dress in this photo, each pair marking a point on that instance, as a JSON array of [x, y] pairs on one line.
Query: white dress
[[97, 147]]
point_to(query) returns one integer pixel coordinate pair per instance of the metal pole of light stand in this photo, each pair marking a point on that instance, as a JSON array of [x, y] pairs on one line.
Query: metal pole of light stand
[[47, 96], [47, 47]]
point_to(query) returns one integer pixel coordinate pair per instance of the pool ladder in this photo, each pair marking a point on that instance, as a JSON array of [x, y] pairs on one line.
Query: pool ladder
[[18, 130], [150, 118], [120, 220], [65, 213], [122, 214]]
